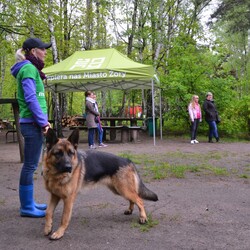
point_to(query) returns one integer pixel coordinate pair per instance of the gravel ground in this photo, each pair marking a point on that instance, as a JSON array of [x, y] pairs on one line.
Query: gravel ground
[[199, 211]]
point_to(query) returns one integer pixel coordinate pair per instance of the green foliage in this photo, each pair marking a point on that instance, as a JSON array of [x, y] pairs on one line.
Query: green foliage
[[188, 74], [235, 13], [78, 103], [165, 33], [195, 72]]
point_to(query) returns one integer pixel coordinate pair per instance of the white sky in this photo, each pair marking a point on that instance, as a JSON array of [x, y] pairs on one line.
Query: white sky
[[205, 16]]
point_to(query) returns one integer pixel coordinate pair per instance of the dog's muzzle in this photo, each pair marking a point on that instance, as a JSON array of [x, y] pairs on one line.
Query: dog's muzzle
[[64, 166], [67, 169], [61, 168]]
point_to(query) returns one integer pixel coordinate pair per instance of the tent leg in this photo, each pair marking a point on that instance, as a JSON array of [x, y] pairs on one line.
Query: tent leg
[[153, 110], [160, 116]]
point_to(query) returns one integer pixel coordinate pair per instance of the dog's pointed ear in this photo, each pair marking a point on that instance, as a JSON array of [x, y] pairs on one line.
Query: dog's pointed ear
[[51, 139], [74, 138]]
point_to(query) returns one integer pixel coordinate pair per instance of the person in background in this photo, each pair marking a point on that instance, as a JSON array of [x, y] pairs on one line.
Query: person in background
[[99, 126], [211, 117], [33, 118], [195, 115], [91, 114]]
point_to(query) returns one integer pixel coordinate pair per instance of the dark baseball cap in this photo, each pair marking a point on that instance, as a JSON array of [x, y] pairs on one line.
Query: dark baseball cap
[[31, 43]]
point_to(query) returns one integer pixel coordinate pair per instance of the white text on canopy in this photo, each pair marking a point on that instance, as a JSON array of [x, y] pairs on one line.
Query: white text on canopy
[[88, 63]]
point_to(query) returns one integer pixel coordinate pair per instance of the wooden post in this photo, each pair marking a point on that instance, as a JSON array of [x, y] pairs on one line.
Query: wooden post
[[18, 130], [15, 108]]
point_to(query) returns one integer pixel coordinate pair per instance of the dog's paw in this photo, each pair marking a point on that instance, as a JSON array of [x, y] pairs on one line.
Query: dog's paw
[[128, 211], [47, 230], [57, 235], [143, 220]]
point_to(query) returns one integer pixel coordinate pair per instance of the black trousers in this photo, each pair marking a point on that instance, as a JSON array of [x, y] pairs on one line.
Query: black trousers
[[194, 128]]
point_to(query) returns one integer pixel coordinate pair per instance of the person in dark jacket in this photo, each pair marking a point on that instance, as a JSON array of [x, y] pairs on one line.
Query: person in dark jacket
[[33, 118], [211, 117]]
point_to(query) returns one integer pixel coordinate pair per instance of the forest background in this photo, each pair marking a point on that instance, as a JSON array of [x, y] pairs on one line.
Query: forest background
[[189, 56]]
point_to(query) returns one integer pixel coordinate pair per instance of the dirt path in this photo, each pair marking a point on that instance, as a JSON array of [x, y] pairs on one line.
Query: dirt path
[[195, 212]]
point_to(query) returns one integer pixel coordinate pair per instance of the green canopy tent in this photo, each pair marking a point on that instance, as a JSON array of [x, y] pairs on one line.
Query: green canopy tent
[[99, 70]]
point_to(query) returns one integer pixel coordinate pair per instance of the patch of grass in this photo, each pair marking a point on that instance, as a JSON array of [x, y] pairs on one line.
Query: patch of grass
[[244, 176], [2, 202], [145, 227], [159, 172], [178, 171], [165, 170], [194, 169], [215, 155], [234, 171], [176, 164], [84, 221], [217, 171], [137, 159]]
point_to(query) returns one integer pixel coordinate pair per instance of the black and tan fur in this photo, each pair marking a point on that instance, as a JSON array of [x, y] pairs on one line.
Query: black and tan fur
[[66, 170]]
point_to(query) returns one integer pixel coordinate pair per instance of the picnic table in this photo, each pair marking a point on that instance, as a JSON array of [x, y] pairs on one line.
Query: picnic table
[[16, 124], [113, 120], [116, 124]]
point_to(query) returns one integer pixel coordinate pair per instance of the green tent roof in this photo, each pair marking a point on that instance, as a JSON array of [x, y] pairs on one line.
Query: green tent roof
[[98, 69]]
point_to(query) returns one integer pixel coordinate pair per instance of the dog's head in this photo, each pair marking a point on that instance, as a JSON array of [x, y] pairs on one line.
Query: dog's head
[[61, 153]]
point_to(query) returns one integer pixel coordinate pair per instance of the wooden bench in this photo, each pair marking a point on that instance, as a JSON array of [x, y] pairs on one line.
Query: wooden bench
[[13, 131], [134, 133], [128, 133], [79, 127], [111, 129]]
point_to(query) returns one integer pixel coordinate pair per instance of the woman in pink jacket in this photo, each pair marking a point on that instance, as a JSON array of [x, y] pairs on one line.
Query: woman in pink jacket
[[195, 115]]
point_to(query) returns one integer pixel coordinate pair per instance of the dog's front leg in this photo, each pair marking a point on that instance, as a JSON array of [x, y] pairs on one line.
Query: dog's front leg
[[49, 214], [67, 212], [143, 216]]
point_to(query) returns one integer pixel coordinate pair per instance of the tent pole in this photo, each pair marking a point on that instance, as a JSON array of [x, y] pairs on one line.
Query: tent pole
[[160, 116], [153, 109]]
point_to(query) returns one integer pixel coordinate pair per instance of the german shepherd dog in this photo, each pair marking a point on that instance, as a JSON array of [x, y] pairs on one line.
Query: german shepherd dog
[[66, 170]]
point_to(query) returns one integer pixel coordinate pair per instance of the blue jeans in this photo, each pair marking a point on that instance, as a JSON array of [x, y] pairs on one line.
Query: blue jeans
[[33, 141], [100, 133], [213, 131], [91, 134]]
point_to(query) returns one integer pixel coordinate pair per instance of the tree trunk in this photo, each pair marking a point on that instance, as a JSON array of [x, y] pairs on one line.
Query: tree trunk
[[89, 24], [2, 73], [55, 103], [133, 28]]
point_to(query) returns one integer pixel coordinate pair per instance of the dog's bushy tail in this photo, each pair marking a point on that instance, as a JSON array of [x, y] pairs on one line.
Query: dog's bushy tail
[[147, 194]]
